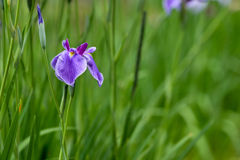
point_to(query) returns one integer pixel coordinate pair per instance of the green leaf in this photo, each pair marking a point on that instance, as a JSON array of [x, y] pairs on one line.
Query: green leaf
[[195, 140], [176, 147], [8, 95], [32, 139], [9, 143], [26, 141], [19, 37], [26, 106], [144, 144], [117, 56]]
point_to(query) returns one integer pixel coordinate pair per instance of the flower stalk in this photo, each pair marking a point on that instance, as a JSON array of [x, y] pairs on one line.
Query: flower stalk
[[50, 81], [42, 37], [113, 82], [62, 108], [71, 91]]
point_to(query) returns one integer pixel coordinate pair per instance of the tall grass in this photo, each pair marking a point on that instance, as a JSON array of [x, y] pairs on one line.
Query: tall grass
[[170, 90]]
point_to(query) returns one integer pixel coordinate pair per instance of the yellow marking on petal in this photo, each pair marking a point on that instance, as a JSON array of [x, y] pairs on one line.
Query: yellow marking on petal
[[71, 54], [89, 54]]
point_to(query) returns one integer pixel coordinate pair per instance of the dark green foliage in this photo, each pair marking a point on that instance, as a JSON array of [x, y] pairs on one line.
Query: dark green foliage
[[187, 77]]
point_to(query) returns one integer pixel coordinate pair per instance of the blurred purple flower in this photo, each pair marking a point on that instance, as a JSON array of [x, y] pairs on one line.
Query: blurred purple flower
[[196, 6], [224, 2], [192, 5], [169, 5], [71, 63]]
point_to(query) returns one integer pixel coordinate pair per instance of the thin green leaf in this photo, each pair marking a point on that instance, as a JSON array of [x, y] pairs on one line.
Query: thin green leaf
[[32, 139], [26, 141], [9, 143], [26, 106], [195, 140], [8, 95], [19, 37], [144, 144], [176, 147], [117, 56]]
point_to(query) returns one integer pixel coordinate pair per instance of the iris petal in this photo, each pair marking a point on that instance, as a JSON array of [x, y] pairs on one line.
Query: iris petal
[[54, 61], [68, 69], [81, 49], [91, 50], [93, 69], [66, 44]]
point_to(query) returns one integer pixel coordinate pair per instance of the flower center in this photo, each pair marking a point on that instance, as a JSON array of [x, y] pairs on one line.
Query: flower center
[[71, 54]]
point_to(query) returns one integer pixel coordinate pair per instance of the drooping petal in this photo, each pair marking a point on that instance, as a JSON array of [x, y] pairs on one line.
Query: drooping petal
[[90, 50], [54, 60], [68, 69], [81, 49], [40, 19], [66, 44], [93, 69]]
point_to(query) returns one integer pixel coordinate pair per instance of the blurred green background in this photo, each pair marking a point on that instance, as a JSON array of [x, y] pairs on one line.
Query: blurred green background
[[186, 104]]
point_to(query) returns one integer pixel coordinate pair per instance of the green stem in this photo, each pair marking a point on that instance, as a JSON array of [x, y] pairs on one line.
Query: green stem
[[10, 53], [113, 80], [16, 18], [31, 58], [7, 68], [50, 81], [3, 41], [65, 128], [62, 107]]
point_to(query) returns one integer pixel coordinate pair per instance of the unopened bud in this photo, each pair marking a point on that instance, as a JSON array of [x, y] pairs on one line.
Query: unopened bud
[[41, 28], [42, 35]]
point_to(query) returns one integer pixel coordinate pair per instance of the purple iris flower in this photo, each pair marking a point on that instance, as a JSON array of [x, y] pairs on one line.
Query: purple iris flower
[[40, 19], [192, 5], [72, 62]]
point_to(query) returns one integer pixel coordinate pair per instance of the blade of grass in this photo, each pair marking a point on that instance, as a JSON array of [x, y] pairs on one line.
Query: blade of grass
[[195, 140], [26, 106], [9, 143], [26, 141], [143, 145], [176, 147], [32, 139]]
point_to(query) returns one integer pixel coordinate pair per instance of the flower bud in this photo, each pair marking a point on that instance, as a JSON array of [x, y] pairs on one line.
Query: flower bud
[[42, 35], [41, 28]]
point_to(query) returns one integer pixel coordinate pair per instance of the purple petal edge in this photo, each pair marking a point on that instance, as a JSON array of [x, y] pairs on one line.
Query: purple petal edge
[[92, 67], [91, 50]]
